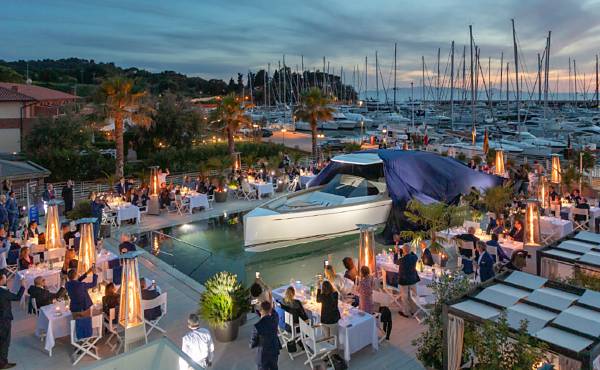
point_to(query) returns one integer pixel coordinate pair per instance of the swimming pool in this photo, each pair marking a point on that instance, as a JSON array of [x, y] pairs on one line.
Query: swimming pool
[[203, 248]]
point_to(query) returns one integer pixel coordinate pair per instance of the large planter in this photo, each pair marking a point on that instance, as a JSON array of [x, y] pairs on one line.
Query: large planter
[[220, 196], [280, 187], [228, 332]]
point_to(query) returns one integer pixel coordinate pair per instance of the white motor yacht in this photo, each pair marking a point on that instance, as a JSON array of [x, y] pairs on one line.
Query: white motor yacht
[[355, 196]]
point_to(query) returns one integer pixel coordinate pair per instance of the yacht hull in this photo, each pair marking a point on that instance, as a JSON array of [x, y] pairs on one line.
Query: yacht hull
[[265, 229]]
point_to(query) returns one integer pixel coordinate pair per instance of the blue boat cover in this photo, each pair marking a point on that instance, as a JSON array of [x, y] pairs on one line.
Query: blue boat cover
[[425, 176]]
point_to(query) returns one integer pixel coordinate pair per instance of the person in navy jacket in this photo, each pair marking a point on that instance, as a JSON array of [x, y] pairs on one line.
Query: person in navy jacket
[[502, 257], [122, 187], [485, 263], [13, 213], [407, 280], [6, 318], [77, 290], [265, 339]]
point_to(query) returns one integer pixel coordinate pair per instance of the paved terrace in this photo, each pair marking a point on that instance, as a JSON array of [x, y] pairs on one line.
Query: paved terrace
[[183, 295]]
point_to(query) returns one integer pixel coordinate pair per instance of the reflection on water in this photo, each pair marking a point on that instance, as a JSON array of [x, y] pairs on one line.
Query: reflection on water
[[218, 245]]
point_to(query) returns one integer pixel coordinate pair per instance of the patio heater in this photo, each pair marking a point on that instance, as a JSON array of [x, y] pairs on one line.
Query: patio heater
[[237, 161], [87, 248], [366, 247], [131, 314], [499, 164], [543, 192], [556, 173], [532, 223], [153, 206], [53, 237]]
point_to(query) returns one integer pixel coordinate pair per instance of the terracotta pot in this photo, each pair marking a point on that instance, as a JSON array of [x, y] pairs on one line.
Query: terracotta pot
[[228, 332], [220, 196]]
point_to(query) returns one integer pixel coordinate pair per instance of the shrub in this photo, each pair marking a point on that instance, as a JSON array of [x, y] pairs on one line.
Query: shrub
[[224, 299]]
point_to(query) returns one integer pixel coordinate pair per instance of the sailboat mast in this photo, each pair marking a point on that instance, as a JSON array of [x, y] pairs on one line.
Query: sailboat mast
[[547, 73], [451, 85], [516, 51], [284, 82], [395, 69], [422, 82], [377, 78], [324, 86], [501, 70], [575, 78], [303, 74], [597, 96], [472, 80], [539, 77], [437, 84], [464, 74], [268, 85], [366, 74], [507, 87], [570, 89]]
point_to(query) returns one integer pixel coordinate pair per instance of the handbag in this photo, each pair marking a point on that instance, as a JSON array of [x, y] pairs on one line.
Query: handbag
[[291, 346], [337, 362]]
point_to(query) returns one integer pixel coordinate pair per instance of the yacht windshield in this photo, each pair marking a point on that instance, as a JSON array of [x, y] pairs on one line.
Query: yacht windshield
[[349, 186]]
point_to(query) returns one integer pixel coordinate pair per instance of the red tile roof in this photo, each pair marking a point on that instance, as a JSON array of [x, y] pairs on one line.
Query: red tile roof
[[11, 95], [37, 92]]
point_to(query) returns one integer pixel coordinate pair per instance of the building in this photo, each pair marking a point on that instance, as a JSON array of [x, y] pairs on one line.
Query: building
[[21, 105]]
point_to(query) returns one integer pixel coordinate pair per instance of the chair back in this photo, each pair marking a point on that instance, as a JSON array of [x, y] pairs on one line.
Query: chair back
[[580, 212], [160, 301], [55, 255], [34, 307], [492, 251], [246, 186], [289, 320], [36, 258], [96, 329], [307, 336]]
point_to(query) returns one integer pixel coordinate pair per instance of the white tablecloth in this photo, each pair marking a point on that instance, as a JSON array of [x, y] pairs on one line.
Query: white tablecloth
[[197, 200], [102, 259], [356, 328], [129, 212], [594, 213], [556, 227], [52, 278], [56, 324], [262, 189]]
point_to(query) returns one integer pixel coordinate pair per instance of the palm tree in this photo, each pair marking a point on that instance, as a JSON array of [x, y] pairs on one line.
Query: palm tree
[[120, 103], [312, 109], [230, 115]]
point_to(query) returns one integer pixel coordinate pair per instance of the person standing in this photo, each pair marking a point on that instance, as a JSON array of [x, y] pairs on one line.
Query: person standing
[[6, 317], [97, 209], [330, 312], [4, 249], [4, 221], [13, 213], [77, 290], [265, 339], [485, 263], [407, 280], [198, 343], [365, 290], [48, 194], [67, 196]]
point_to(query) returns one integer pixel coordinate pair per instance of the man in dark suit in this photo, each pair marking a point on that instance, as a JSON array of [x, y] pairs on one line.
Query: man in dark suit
[[485, 263], [6, 317], [517, 232], [265, 339], [126, 244], [67, 196], [407, 280], [42, 296], [78, 292], [149, 294], [122, 187]]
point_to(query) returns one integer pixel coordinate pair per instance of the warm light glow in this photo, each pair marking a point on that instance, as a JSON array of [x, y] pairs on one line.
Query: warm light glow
[[543, 196], [532, 223], [366, 252], [499, 167], [53, 237], [130, 312], [87, 248], [556, 170], [154, 185]]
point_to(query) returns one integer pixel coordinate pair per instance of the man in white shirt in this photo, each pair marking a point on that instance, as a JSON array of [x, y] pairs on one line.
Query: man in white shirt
[[198, 343]]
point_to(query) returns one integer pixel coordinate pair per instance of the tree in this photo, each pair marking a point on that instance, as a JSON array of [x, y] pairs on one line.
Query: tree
[[8, 74], [496, 199], [229, 117], [122, 102], [312, 109]]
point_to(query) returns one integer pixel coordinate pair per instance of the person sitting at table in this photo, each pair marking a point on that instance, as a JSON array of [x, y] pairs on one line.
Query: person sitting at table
[[493, 242], [24, 259], [555, 202], [582, 204], [469, 237], [126, 244], [516, 233], [365, 290], [330, 313], [31, 231], [41, 294], [351, 273], [122, 187], [339, 282], [293, 306], [407, 280], [77, 289], [467, 252], [70, 261], [576, 196], [485, 263], [500, 224], [186, 183], [147, 295], [111, 299]]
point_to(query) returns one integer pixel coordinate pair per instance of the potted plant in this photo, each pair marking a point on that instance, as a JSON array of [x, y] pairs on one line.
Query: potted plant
[[495, 199], [220, 190], [223, 304]]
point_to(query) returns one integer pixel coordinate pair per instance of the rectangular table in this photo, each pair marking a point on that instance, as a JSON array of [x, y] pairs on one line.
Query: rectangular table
[[197, 200], [357, 329], [52, 277], [262, 188], [127, 212], [556, 227]]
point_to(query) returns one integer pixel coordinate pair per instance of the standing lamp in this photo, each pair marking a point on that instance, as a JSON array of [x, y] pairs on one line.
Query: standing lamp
[[153, 205], [131, 314], [366, 250], [531, 235], [87, 248], [237, 161], [53, 238], [499, 164]]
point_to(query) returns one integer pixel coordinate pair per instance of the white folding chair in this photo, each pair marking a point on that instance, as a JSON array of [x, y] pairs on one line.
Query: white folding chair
[[113, 330], [11, 270], [180, 206], [87, 346], [36, 258], [293, 335], [292, 185], [160, 301], [248, 192], [392, 292], [316, 349], [580, 225], [422, 301], [211, 200]]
